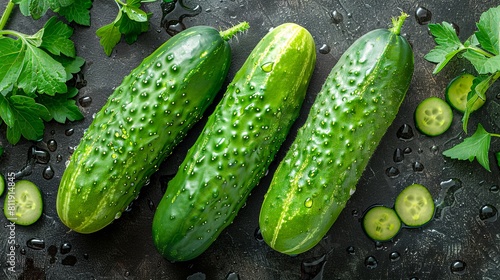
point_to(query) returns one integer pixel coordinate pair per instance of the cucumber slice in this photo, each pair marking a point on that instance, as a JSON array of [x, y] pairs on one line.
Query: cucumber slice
[[23, 204], [2, 184], [433, 116], [381, 223], [415, 205], [457, 91]]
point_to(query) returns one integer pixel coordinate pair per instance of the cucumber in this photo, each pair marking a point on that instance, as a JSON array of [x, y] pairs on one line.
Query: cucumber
[[237, 144], [415, 205], [433, 116], [2, 184], [144, 118], [23, 203], [457, 91], [381, 223], [353, 110]]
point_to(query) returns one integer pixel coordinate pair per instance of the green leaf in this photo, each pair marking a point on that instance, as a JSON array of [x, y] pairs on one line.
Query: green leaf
[[483, 64], [71, 65], [488, 33], [447, 45], [109, 36], [12, 56], [78, 12], [61, 106], [41, 73], [38, 8], [27, 115], [131, 29], [56, 36], [135, 14], [473, 147]]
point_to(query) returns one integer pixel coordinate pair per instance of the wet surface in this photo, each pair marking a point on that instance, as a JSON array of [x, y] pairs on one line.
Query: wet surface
[[462, 242]]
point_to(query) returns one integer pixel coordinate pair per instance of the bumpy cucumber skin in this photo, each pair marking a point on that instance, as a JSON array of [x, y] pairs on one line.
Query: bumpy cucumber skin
[[144, 118], [237, 144], [351, 113]]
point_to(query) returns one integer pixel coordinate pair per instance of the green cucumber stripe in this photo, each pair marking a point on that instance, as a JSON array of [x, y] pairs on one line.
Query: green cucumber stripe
[[287, 202]]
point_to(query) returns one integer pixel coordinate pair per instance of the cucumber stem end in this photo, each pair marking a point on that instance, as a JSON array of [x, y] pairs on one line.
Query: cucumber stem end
[[229, 33], [397, 23]]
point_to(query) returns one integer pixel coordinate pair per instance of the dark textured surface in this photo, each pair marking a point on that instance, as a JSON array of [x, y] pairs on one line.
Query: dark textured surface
[[125, 250]]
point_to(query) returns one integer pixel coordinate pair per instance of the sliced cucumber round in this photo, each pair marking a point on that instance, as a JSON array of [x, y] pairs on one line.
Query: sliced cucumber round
[[381, 223], [433, 116], [457, 91], [415, 205], [2, 184], [23, 204]]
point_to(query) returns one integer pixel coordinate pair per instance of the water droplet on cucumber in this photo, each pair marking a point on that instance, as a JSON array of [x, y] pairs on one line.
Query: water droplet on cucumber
[[267, 67], [308, 203]]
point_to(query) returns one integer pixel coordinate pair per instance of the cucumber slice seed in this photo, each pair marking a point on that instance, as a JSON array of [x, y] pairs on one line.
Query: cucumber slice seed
[[23, 204], [415, 205], [433, 116], [381, 223]]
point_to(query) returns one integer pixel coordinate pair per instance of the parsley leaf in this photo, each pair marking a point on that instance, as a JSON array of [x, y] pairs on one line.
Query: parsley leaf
[[448, 45], [62, 106], [130, 22], [473, 147], [488, 33], [77, 12], [23, 117], [33, 76]]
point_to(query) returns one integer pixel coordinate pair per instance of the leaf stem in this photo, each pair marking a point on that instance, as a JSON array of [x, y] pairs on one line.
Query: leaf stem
[[480, 51], [6, 14]]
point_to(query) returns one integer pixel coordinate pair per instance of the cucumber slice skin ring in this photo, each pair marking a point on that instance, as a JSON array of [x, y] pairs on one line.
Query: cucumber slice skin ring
[[24, 204], [415, 205], [457, 91], [433, 116], [381, 223]]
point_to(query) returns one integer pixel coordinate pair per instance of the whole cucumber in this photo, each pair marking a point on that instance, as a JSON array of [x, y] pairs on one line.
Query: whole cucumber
[[353, 110], [144, 118], [237, 144]]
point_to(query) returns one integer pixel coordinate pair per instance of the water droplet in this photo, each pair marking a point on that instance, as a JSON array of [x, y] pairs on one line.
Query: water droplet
[[258, 235], [371, 262], [48, 173], [267, 67], [336, 17], [324, 49], [398, 155], [394, 256], [233, 276], [407, 150], [494, 189], [85, 101], [313, 268], [405, 132], [39, 155], [86, 256], [434, 149], [69, 132], [173, 13], [458, 267], [22, 251], [456, 27], [308, 203], [69, 260], [418, 166], [488, 213], [351, 250], [447, 195], [52, 145], [151, 205], [59, 158], [118, 215], [36, 244], [392, 172], [65, 248], [423, 15]]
